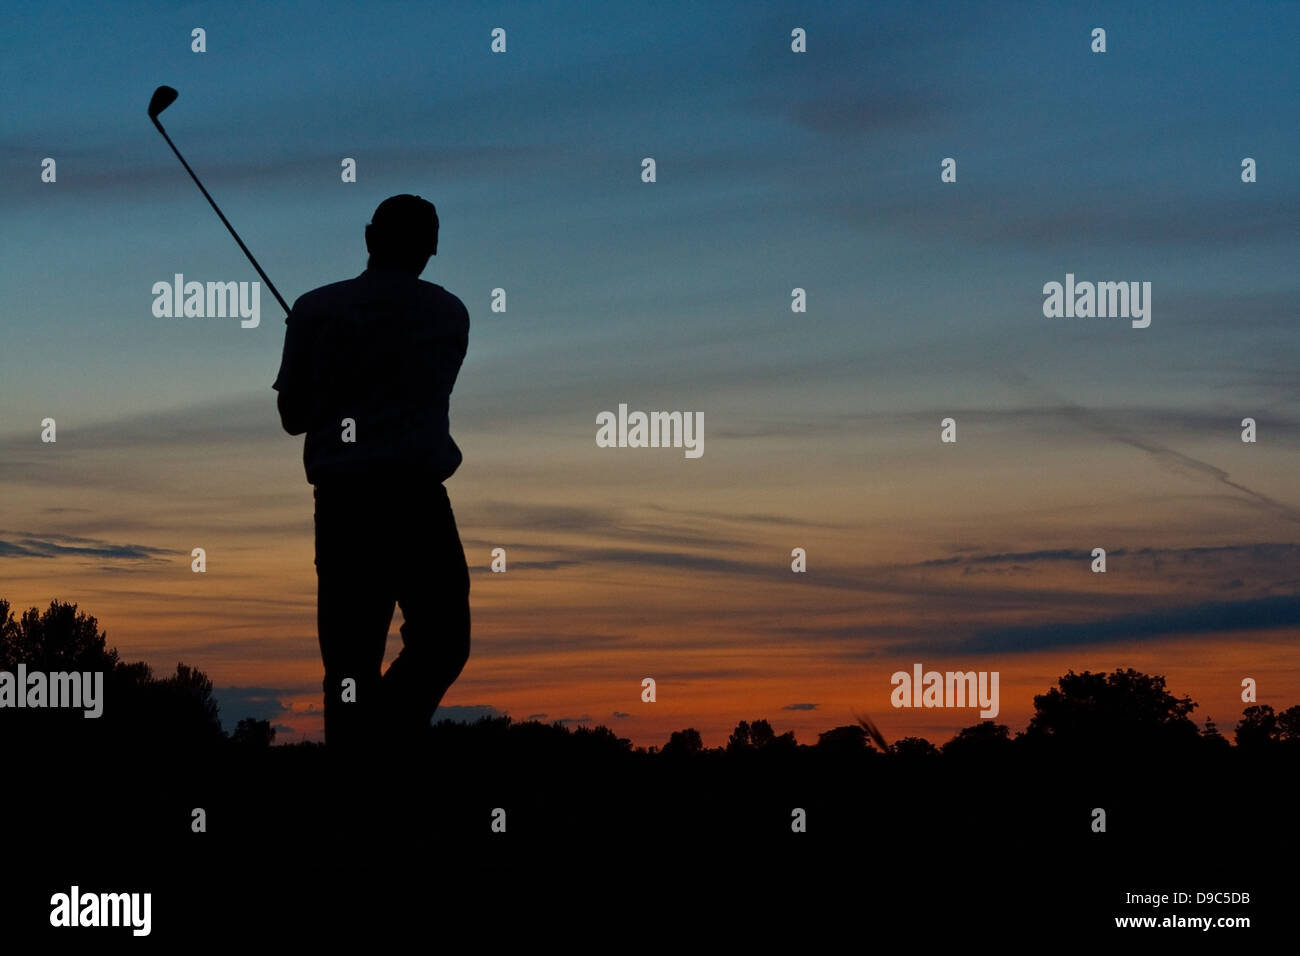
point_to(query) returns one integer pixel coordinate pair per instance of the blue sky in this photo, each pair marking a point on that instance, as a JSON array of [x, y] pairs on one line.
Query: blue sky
[[775, 170]]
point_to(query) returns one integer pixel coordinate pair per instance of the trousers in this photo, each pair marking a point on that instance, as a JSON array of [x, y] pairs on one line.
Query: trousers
[[381, 545]]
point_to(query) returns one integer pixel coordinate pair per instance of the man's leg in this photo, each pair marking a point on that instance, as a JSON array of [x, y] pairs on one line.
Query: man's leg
[[434, 597], [354, 607]]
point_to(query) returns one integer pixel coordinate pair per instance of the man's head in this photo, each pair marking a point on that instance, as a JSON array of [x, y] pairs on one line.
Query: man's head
[[403, 233]]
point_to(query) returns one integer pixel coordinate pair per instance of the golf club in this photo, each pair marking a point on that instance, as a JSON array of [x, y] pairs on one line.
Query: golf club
[[162, 98]]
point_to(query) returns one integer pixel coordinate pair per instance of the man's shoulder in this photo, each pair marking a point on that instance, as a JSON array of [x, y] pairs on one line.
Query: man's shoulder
[[326, 294], [440, 298], [329, 298], [435, 291]]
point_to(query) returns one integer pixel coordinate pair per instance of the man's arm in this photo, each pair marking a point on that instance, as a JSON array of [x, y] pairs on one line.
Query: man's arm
[[294, 414], [464, 334], [293, 383]]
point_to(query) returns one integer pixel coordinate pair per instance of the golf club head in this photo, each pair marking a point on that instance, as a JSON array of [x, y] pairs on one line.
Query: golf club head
[[162, 98]]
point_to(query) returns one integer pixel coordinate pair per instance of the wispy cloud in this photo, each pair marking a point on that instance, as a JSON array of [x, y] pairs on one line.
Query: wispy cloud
[[1203, 619], [49, 545], [1166, 457], [1272, 553], [260, 703]]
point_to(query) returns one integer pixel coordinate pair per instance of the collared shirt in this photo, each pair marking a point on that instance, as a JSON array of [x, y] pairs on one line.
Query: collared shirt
[[368, 368]]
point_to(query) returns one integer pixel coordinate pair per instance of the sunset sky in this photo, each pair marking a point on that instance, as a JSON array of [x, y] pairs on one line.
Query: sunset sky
[[775, 170]]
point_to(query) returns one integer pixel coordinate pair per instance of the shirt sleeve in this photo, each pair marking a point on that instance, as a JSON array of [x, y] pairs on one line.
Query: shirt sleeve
[[294, 380], [464, 331]]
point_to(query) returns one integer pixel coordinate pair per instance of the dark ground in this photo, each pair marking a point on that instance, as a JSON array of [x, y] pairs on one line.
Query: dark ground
[[605, 848]]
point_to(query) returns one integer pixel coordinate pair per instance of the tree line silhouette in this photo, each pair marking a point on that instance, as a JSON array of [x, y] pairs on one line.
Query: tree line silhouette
[[1122, 712], [178, 710]]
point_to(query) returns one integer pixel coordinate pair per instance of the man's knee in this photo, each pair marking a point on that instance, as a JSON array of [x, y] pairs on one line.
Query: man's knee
[[350, 689]]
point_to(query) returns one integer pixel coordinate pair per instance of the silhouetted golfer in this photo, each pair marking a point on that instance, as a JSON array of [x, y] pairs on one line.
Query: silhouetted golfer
[[368, 368]]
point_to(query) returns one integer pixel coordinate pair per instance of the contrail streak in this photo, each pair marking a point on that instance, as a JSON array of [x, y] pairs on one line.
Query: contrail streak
[[1174, 460]]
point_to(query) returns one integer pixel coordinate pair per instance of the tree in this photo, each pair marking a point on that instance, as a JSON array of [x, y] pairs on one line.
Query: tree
[[1211, 737], [740, 738], [913, 747], [60, 638], [684, 742], [1258, 727], [185, 701], [600, 740], [761, 734], [251, 732], [849, 739], [783, 744], [1288, 724], [1125, 709], [137, 708], [759, 737], [984, 739]]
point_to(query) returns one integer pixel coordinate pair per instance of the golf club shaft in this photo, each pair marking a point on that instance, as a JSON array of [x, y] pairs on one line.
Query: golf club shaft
[[269, 284]]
